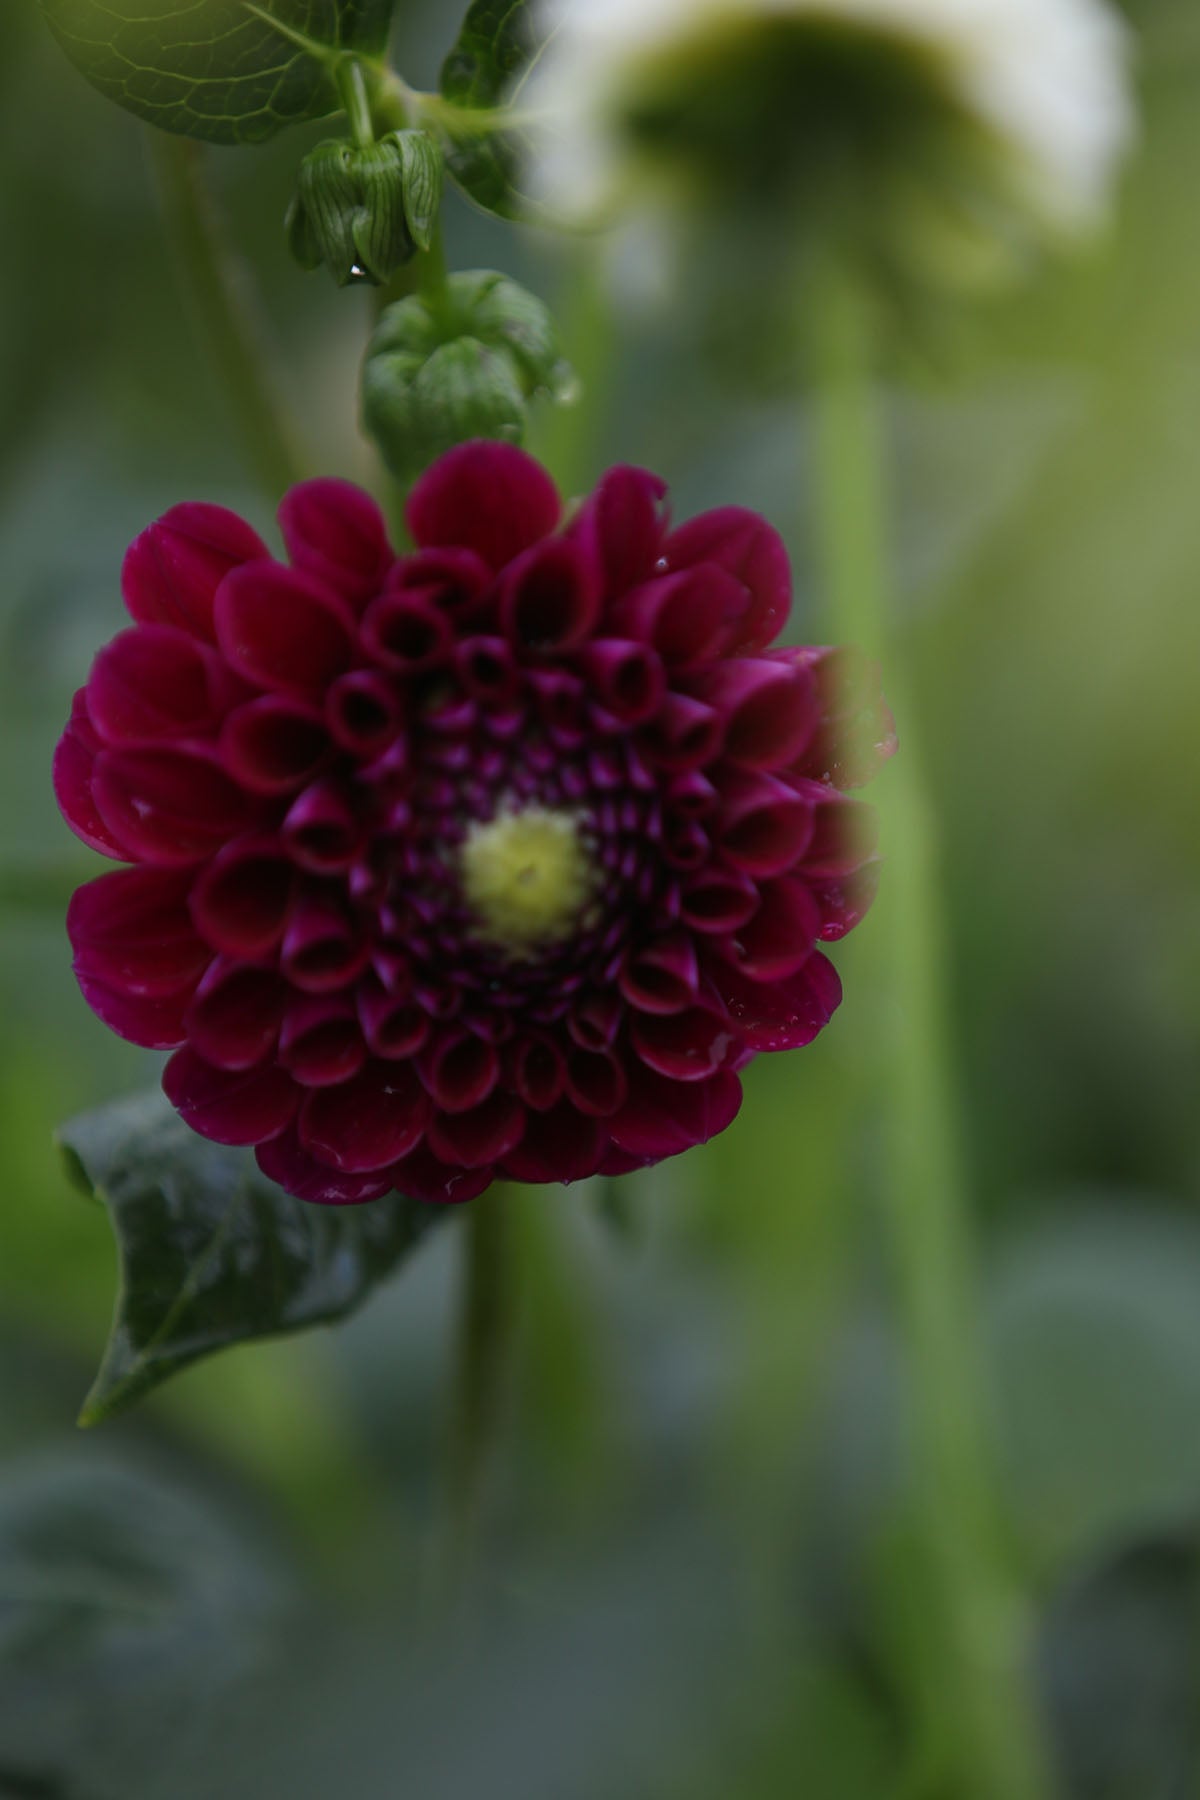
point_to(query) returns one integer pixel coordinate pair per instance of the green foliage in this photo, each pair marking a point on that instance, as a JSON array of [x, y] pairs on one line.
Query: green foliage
[[484, 73], [212, 1254], [130, 1611], [227, 71]]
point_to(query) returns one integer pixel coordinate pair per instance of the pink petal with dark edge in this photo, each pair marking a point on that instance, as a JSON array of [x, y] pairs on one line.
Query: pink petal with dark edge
[[273, 745], [770, 710], [168, 806], [394, 1026], [486, 497], [364, 712], [537, 1070], [549, 598], [763, 827], [459, 1071], [686, 1046], [321, 831], [72, 773], [627, 678], [154, 1021], [781, 1015], [233, 1021], [323, 949], [282, 630], [621, 526], [662, 1118], [335, 531], [240, 902], [557, 1146], [780, 936], [368, 1122], [662, 977], [685, 734], [746, 546], [687, 617], [596, 1082], [407, 633], [483, 1136], [845, 832], [845, 903], [240, 1109], [285, 1161], [153, 682], [172, 571], [718, 900], [321, 1042], [421, 1176], [132, 930]]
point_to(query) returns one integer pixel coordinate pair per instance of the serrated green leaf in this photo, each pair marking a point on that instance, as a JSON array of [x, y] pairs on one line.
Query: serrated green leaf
[[498, 45], [211, 1253], [227, 71]]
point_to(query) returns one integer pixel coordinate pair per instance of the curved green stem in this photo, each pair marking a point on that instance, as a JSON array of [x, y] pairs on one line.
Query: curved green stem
[[974, 1609], [213, 286]]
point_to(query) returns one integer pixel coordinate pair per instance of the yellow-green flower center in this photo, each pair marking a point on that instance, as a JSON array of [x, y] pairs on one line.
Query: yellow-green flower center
[[527, 877]]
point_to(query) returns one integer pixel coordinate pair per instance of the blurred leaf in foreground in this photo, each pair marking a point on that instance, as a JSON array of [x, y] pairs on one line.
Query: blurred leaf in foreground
[[212, 1254]]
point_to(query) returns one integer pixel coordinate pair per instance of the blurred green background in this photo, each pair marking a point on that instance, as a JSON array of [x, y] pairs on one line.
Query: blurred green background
[[700, 1580]]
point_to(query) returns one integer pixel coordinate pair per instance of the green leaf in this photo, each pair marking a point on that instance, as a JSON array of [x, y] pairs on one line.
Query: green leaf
[[211, 1253], [132, 1617], [227, 71], [482, 78]]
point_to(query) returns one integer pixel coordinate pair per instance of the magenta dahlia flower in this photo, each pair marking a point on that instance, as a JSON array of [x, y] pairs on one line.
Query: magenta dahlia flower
[[502, 858]]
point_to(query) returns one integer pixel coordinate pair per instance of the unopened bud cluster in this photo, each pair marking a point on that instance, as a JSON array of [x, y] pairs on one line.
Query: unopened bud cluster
[[363, 211], [464, 365]]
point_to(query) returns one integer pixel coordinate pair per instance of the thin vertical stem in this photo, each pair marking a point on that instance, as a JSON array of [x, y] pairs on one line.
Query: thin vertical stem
[[976, 1609], [482, 1353], [213, 287]]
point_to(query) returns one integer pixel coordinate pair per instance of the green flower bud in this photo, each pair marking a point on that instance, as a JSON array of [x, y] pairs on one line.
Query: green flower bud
[[465, 366], [363, 212]]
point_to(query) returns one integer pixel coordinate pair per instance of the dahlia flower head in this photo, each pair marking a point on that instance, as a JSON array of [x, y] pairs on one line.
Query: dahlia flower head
[[955, 132], [501, 858]]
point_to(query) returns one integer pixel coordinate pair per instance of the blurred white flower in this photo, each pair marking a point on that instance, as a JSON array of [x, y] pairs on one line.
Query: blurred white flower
[[953, 132]]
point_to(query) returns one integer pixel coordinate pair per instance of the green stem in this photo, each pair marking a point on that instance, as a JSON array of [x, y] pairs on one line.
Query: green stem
[[975, 1606], [482, 1352], [356, 100], [213, 286]]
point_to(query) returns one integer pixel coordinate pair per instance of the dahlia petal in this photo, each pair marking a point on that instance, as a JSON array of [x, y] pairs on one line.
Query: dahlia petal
[[273, 745], [846, 902], [625, 677], [685, 1046], [596, 1082], [321, 830], [717, 901], [233, 1021], [459, 1071], [407, 633], [594, 1022], [72, 773], [422, 1176], [322, 948], [770, 710], [243, 1109], [170, 807], [558, 1146], [368, 1122], [132, 931], [747, 547], [487, 497], [155, 682], [621, 526], [537, 1070], [481, 1137], [153, 1021], [763, 826], [456, 582], [285, 1161], [687, 617], [394, 1026], [781, 1015], [662, 977], [662, 1118], [335, 531], [549, 598], [282, 630], [173, 570], [619, 1162], [321, 1041], [780, 936], [240, 902], [364, 712], [684, 734], [845, 832]]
